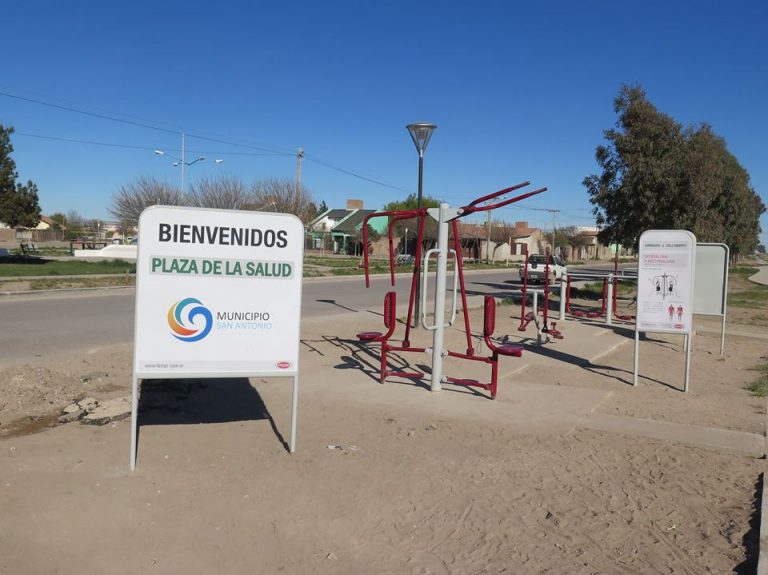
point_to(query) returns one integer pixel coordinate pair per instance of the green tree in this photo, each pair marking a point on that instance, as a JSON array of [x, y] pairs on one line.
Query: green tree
[[59, 220], [19, 203], [408, 204], [722, 205], [355, 246], [642, 168], [657, 175]]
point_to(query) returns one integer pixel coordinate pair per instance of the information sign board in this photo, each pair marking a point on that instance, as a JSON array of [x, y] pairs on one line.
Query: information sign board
[[665, 277], [665, 281]]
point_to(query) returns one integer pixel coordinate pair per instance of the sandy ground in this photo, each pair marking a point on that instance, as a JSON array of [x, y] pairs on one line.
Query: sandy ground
[[388, 478]]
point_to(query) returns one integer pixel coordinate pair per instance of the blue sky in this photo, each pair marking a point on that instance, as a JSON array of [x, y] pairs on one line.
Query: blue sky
[[519, 91]]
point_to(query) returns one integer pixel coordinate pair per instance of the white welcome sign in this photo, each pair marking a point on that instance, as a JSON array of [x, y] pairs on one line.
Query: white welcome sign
[[218, 294]]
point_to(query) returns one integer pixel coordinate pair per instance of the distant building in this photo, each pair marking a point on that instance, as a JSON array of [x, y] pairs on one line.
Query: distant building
[[340, 230], [522, 240], [590, 248], [46, 230]]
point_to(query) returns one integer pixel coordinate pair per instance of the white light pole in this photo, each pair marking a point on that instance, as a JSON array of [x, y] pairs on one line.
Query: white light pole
[[182, 161]]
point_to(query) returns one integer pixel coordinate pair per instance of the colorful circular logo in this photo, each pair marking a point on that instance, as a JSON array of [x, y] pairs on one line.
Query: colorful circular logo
[[181, 319]]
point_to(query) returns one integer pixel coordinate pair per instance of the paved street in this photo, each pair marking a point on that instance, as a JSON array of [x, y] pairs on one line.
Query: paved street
[[38, 324]]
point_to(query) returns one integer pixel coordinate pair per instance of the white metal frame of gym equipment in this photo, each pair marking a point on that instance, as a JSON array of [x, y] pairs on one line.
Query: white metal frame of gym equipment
[[444, 215]]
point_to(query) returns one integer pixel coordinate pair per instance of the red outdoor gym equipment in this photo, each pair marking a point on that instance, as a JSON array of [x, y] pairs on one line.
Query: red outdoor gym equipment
[[525, 318], [590, 313], [528, 317], [481, 204], [616, 291], [390, 323], [546, 329]]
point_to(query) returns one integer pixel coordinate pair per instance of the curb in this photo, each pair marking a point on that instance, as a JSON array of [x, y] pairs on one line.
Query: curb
[[62, 290], [355, 277], [762, 557]]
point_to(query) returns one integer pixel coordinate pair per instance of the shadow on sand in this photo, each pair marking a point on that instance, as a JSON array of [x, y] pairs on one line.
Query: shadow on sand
[[193, 401]]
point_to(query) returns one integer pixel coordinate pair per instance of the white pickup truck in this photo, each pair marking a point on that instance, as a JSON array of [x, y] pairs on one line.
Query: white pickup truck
[[536, 269]]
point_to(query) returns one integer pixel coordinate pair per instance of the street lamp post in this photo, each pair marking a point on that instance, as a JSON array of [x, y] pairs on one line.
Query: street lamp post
[[420, 133], [182, 161]]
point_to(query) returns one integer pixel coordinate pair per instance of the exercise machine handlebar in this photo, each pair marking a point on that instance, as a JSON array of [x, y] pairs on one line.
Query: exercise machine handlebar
[[397, 215], [472, 208]]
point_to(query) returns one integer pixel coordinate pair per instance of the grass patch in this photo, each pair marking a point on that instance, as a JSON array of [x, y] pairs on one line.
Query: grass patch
[[32, 266], [595, 290], [759, 387], [332, 262], [743, 293], [743, 271], [753, 298], [81, 283]]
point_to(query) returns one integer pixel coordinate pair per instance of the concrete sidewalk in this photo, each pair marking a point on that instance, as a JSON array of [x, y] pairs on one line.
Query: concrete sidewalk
[[525, 403], [760, 277]]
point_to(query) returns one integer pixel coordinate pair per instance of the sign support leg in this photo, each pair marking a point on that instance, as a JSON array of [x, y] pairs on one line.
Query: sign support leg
[[134, 420], [294, 410], [722, 335], [636, 368], [687, 360]]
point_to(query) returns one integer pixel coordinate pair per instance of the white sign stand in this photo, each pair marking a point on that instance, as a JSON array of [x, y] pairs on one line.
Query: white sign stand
[[711, 294], [665, 277], [218, 294]]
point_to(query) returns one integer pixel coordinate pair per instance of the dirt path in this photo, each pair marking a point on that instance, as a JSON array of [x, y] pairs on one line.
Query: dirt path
[[387, 478]]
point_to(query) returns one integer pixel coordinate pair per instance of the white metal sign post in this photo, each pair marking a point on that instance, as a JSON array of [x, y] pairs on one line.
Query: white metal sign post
[[218, 294], [665, 277], [711, 293]]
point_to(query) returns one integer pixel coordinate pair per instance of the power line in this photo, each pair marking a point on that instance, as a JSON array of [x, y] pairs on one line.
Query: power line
[[138, 124], [353, 174], [177, 132], [131, 147], [85, 113]]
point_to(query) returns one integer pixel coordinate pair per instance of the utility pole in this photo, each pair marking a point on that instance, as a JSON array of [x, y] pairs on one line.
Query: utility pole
[[183, 162], [299, 156], [488, 243], [554, 213]]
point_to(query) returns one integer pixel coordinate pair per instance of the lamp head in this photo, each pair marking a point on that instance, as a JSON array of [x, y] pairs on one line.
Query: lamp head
[[421, 133]]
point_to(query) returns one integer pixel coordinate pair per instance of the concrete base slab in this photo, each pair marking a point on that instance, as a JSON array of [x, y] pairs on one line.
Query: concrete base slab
[[750, 444]]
